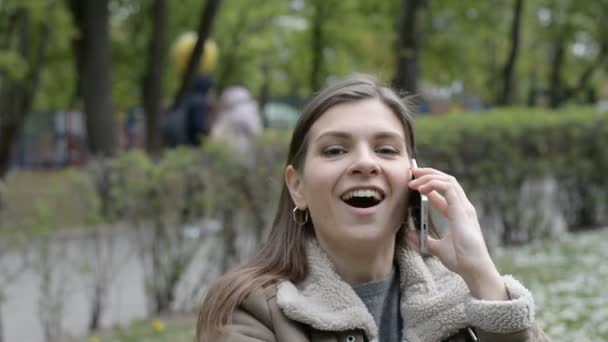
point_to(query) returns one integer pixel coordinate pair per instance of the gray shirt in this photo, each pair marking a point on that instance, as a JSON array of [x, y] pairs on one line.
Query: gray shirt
[[382, 298]]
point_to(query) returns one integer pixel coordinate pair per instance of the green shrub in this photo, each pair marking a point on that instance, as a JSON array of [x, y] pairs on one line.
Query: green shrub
[[494, 153], [37, 203]]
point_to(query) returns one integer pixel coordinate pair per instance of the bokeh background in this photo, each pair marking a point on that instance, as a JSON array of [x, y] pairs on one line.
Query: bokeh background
[[142, 144]]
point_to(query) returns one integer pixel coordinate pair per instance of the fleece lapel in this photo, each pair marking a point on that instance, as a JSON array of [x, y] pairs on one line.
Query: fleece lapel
[[432, 298], [323, 300]]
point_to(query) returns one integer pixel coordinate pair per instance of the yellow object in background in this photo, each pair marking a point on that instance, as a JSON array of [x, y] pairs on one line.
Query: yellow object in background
[[158, 325], [183, 47]]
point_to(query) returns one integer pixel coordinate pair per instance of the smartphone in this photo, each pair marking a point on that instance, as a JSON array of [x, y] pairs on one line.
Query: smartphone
[[419, 210]]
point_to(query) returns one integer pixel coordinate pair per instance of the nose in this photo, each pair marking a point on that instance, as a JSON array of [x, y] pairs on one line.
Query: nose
[[364, 162]]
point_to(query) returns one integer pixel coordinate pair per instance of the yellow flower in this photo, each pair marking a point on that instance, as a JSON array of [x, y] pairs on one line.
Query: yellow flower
[[158, 325], [94, 339]]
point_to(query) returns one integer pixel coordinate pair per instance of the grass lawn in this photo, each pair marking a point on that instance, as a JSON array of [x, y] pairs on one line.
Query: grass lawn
[[568, 280], [566, 277], [154, 330]]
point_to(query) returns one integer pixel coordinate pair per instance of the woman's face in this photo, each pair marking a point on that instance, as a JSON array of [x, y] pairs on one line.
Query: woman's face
[[355, 175]]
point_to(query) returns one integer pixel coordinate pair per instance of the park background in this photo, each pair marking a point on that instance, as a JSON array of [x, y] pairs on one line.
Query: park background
[[106, 235]]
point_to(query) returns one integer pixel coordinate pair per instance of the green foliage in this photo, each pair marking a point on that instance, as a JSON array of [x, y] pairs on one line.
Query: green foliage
[[357, 36], [44, 16], [457, 32], [142, 189], [493, 154], [13, 64], [39, 203], [505, 145]]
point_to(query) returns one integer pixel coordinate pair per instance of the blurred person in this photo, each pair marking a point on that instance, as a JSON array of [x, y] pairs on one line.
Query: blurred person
[[342, 261], [197, 110], [191, 119], [182, 50], [238, 120], [237, 124]]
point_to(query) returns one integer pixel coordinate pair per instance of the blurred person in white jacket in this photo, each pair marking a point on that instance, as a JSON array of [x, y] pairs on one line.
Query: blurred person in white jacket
[[238, 120]]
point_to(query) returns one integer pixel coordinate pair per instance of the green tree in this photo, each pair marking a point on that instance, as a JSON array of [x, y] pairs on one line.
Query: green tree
[[465, 42], [578, 44], [25, 36]]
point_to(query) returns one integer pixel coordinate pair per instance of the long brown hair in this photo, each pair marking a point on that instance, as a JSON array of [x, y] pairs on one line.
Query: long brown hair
[[282, 256]]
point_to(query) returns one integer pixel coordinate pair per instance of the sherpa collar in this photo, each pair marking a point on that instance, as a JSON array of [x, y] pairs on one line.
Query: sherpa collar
[[435, 302]]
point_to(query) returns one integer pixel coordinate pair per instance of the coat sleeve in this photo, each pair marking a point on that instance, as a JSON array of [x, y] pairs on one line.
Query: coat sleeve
[[251, 322], [506, 321], [532, 334]]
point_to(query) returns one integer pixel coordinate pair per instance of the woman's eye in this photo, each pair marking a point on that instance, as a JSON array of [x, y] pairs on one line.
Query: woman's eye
[[388, 150], [333, 151]]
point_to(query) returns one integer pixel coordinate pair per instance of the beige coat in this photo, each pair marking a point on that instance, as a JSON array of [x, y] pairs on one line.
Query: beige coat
[[435, 306]]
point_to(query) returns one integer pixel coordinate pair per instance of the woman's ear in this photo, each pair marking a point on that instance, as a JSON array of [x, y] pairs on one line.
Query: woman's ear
[[295, 185]]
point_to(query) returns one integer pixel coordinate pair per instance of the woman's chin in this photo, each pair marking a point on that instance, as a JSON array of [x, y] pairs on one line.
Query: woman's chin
[[369, 235]]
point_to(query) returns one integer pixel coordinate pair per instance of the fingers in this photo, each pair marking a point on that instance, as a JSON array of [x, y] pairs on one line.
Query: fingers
[[438, 202], [429, 180]]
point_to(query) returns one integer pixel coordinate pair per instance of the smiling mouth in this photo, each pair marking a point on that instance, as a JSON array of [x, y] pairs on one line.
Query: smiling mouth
[[362, 198]]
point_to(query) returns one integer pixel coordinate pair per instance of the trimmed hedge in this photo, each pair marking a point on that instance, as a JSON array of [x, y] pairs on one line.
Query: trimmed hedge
[[494, 154], [509, 145]]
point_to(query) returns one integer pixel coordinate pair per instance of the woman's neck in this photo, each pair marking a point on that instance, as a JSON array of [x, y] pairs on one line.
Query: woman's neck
[[360, 264]]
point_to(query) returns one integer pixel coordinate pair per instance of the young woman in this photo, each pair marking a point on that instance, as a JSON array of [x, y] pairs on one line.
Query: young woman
[[342, 261]]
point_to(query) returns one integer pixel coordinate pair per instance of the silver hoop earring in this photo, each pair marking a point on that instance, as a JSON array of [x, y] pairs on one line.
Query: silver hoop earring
[[300, 221]]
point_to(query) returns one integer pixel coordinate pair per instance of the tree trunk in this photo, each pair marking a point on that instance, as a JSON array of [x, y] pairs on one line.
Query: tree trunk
[[229, 235], [408, 47], [506, 95], [94, 62], [153, 79], [78, 46], [97, 309], [99, 287], [17, 96], [256, 211], [8, 135], [1, 326], [230, 57], [204, 30], [157, 276], [264, 92], [317, 45], [555, 79], [533, 91], [583, 82]]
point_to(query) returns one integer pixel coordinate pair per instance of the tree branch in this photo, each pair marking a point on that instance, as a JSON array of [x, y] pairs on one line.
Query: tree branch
[[585, 77], [506, 94], [204, 30]]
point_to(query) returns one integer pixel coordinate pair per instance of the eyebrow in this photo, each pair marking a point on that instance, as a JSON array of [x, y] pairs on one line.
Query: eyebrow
[[346, 135]]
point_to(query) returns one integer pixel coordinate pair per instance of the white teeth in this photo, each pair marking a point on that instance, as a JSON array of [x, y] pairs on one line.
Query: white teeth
[[362, 193]]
